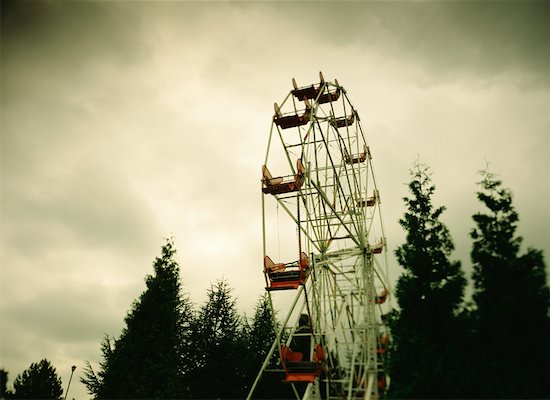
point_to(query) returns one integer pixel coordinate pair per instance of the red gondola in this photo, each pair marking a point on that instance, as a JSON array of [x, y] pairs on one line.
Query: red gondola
[[285, 121], [343, 121], [299, 370], [381, 298], [283, 184], [356, 158], [369, 201], [286, 276], [313, 92], [378, 247], [381, 382], [329, 96], [383, 344]]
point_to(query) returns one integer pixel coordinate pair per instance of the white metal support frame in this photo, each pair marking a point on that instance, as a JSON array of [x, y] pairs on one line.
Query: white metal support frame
[[337, 215]]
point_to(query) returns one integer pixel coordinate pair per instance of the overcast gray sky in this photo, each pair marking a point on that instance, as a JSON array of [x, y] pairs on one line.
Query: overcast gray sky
[[126, 122]]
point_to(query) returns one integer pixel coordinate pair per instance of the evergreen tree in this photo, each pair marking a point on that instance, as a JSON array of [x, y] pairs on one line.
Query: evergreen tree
[[4, 392], [39, 381], [260, 334], [92, 380], [151, 358], [424, 356], [511, 320], [220, 351]]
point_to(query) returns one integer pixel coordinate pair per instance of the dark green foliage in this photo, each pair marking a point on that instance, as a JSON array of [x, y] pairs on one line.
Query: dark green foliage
[[39, 381], [261, 332], [150, 359], [424, 354], [4, 392], [167, 352], [511, 323], [219, 348], [92, 380]]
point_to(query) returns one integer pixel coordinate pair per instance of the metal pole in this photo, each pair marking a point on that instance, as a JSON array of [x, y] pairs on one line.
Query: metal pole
[[277, 341], [69, 384]]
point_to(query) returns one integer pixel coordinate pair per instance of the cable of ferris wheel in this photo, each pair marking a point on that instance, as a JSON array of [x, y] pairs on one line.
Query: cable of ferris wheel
[[312, 240]]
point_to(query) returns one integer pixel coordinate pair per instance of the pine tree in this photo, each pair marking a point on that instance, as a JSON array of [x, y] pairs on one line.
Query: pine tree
[[151, 358], [423, 356], [220, 351], [39, 381], [511, 318], [5, 393], [92, 380], [261, 333]]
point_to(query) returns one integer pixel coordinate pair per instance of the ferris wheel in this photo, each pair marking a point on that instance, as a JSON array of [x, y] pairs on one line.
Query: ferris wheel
[[329, 271]]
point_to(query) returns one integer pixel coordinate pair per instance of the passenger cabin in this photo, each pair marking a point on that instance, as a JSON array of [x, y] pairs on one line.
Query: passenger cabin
[[377, 248], [283, 184], [382, 344], [369, 201], [286, 276], [381, 298], [381, 382], [329, 96], [313, 92], [290, 120], [299, 370], [355, 158], [343, 121]]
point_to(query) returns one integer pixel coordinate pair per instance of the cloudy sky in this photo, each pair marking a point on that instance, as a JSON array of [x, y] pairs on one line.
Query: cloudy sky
[[123, 123]]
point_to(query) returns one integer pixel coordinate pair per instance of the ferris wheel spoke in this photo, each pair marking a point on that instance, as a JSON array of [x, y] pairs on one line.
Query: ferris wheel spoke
[[326, 201]]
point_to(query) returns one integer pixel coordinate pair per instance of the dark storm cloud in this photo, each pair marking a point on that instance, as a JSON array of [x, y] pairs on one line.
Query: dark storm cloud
[[448, 39], [53, 54], [51, 49], [61, 186], [72, 32]]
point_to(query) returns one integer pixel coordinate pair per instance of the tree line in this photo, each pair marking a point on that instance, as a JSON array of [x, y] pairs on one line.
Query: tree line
[[169, 349], [442, 346], [39, 381], [495, 346]]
